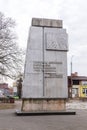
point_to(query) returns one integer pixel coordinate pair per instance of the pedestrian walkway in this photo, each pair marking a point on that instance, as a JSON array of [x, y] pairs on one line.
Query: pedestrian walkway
[[76, 104]]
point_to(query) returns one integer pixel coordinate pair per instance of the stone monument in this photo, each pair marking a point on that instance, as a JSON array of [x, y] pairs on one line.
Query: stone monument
[[45, 72]]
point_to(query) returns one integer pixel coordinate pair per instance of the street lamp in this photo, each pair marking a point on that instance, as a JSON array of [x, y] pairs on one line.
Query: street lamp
[[72, 63], [71, 76]]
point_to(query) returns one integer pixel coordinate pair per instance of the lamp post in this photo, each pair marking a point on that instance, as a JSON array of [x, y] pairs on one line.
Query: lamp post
[[71, 75], [72, 63]]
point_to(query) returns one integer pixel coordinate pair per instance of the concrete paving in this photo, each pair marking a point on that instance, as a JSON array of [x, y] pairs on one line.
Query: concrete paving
[[76, 104], [9, 121]]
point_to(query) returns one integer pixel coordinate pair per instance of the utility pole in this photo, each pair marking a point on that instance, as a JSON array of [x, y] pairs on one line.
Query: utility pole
[[72, 63], [71, 76]]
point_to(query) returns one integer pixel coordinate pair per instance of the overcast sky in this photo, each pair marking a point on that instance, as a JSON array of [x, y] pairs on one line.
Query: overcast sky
[[72, 12]]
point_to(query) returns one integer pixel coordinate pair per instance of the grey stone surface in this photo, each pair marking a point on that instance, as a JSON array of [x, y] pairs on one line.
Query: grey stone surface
[[47, 23], [46, 63], [33, 80], [56, 85]]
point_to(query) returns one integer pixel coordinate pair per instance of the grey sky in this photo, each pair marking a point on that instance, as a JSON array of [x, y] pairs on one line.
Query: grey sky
[[72, 12]]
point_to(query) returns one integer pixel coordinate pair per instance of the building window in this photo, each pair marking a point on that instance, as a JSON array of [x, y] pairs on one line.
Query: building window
[[84, 91], [75, 82]]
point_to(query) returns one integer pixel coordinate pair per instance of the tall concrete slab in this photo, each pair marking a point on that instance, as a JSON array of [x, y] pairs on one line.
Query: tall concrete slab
[[32, 85], [45, 75]]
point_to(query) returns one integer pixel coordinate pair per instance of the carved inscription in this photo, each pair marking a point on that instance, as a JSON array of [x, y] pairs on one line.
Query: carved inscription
[[50, 69], [56, 41]]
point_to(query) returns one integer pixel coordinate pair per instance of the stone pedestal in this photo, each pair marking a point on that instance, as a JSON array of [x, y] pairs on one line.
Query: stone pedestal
[[45, 75], [41, 104]]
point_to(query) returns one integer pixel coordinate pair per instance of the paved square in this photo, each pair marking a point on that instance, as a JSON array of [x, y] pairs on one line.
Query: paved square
[[9, 121]]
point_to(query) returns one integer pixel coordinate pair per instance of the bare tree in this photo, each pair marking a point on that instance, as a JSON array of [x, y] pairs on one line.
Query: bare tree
[[11, 56]]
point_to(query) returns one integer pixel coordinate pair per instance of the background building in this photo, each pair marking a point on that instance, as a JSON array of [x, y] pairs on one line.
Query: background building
[[77, 86], [4, 90]]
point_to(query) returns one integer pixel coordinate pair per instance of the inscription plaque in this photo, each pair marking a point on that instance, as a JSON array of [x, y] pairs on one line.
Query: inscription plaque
[[49, 69]]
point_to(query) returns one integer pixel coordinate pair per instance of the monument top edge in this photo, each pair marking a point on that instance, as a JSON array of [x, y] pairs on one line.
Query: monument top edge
[[43, 22]]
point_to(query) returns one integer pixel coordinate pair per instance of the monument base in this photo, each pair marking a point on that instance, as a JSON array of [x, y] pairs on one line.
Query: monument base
[[43, 113], [43, 104]]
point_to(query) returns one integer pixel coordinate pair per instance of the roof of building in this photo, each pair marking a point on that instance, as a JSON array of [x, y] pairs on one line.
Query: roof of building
[[4, 85], [81, 78]]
